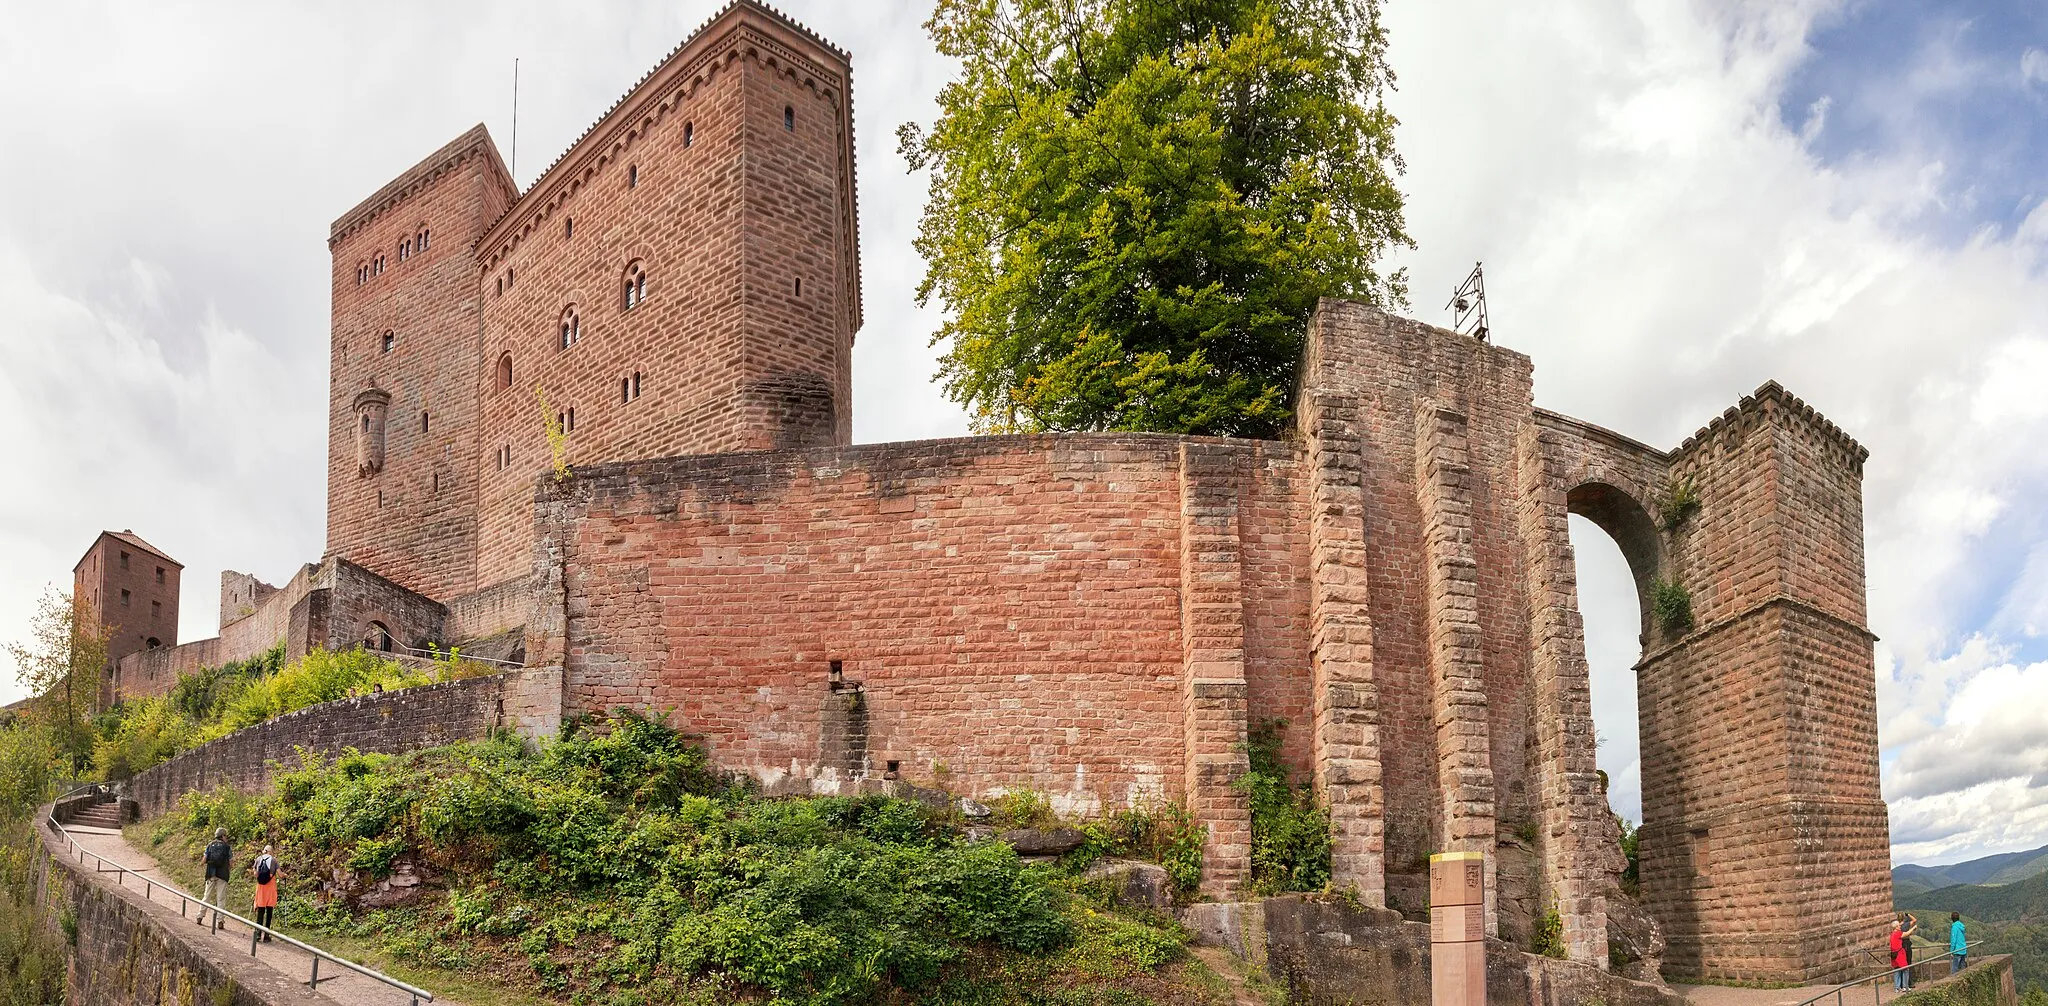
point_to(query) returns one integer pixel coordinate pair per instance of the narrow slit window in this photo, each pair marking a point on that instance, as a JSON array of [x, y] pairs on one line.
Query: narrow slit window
[[124, 599], [632, 175], [625, 390], [425, 235], [799, 286], [509, 277], [425, 422], [689, 133], [789, 117], [568, 227], [390, 341], [636, 384], [572, 419]]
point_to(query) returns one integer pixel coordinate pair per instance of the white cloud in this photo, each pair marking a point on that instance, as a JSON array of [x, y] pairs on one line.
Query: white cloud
[[1661, 242], [2034, 66]]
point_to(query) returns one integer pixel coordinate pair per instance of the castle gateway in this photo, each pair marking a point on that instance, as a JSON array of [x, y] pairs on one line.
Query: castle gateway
[[670, 311]]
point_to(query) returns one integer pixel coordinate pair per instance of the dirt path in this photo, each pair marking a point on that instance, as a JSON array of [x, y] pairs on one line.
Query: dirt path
[[283, 958]]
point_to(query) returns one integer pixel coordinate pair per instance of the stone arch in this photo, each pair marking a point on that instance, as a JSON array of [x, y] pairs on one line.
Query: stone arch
[[1628, 522]]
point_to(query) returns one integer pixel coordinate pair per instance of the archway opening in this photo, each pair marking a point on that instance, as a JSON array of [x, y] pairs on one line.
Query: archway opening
[[1610, 609], [377, 638]]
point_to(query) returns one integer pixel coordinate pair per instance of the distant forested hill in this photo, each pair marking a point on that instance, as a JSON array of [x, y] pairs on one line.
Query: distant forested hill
[[2006, 868], [2024, 901]]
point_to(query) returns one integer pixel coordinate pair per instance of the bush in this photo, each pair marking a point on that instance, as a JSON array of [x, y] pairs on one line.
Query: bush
[[1671, 606], [145, 733], [1290, 827], [618, 861]]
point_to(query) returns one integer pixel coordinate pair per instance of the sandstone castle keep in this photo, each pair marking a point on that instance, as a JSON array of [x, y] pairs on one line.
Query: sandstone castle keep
[[1102, 617]]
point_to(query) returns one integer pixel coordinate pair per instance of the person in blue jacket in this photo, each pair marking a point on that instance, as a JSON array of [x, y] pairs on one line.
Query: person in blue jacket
[[1958, 947]]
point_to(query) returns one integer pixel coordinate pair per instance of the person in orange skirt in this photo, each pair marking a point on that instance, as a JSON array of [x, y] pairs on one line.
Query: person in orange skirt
[[266, 869]]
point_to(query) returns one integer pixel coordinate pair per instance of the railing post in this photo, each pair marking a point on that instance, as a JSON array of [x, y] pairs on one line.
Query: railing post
[[315, 983]]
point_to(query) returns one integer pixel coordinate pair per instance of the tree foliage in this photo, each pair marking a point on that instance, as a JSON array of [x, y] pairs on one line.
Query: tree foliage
[[64, 666], [1136, 204]]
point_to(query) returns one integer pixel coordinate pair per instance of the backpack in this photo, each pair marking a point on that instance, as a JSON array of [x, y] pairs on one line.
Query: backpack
[[264, 870], [217, 854]]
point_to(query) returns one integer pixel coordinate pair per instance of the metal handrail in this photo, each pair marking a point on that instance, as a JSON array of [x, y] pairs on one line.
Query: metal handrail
[[1877, 981], [185, 901], [438, 654]]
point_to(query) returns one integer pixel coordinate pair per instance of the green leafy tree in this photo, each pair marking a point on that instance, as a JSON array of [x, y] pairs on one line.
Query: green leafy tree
[[1136, 204], [64, 665]]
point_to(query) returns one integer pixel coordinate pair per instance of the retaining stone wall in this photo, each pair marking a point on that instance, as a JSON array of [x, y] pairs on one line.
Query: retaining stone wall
[[387, 723], [126, 954]]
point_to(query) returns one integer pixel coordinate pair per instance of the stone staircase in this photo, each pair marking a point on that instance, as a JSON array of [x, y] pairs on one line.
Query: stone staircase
[[105, 815]]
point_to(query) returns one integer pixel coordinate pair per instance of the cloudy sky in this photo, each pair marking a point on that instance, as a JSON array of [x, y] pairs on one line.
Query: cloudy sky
[[1674, 202]]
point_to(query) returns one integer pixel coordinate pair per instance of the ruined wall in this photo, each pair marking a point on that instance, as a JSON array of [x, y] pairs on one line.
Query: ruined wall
[[699, 183], [386, 723], [1421, 425], [1010, 608]]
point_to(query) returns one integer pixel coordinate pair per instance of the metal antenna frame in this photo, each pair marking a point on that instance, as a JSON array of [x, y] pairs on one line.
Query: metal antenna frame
[[1468, 305]]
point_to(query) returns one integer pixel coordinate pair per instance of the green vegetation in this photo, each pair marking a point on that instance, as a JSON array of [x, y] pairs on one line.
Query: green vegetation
[[1135, 207], [1631, 854], [1548, 938], [1671, 606], [2010, 919], [1680, 501], [212, 703], [616, 866], [31, 955], [1976, 988], [1290, 828]]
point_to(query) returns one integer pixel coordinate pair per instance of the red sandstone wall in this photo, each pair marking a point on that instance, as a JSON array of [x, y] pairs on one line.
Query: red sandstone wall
[[1010, 606], [696, 178], [414, 521]]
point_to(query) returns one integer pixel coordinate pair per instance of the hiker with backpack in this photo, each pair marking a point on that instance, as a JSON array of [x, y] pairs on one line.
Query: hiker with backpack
[[266, 869], [217, 855]]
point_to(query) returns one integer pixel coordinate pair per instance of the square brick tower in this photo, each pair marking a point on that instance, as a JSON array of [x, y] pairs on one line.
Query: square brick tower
[[402, 406], [683, 280], [131, 588]]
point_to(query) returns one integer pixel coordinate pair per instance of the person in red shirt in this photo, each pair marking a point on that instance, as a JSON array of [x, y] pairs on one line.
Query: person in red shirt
[[1902, 976]]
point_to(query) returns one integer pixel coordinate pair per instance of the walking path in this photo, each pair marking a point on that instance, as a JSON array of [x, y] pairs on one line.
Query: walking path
[[1723, 995], [232, 942]]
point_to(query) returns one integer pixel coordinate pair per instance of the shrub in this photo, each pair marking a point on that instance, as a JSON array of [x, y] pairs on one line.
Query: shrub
[[1548, 938], [1290, 827], [1679, 502], [145, 733], [1671, 607]]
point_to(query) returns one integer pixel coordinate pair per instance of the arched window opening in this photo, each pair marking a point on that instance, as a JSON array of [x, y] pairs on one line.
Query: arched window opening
[[635, 286], [425, 422], [155, 642], [425, 234], [405, 249], [568, 227], [378, 638], [689, 133], [632, 175], [789, 117], [390, 341], [571, 327], [571, 427], [509, 277], [504, 371], [1611, 614]]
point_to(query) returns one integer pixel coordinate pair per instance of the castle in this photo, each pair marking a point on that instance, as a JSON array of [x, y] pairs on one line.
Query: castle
[[1101, 617]]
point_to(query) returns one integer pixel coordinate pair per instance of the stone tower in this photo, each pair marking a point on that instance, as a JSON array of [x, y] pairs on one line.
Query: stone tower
[[684, 280], [402, 405], [131, 589]]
